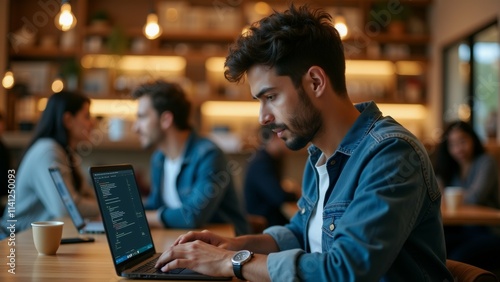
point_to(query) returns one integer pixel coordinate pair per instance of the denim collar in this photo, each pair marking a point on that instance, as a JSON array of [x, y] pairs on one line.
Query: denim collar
[[370, 113], [186, 154]]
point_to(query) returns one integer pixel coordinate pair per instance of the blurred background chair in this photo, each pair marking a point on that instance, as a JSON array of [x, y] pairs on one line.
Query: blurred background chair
[[463, 272]]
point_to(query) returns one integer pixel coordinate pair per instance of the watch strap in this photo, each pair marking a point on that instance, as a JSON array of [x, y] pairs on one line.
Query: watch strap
[[237, 271]]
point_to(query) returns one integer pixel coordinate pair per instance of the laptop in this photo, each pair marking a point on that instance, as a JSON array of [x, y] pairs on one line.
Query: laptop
[[127, 230], [83, 226]]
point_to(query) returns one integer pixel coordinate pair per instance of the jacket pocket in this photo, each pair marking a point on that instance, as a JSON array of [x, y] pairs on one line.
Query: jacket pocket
[[332, 220]]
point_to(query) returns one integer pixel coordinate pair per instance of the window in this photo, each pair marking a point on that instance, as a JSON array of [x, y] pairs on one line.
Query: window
[[472, 80]]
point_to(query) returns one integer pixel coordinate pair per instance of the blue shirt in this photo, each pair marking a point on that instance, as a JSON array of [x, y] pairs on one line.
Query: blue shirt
[[205, 186], [381, 218]]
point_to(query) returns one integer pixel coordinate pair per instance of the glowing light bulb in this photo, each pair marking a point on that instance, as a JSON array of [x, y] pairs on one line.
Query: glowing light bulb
[[65, 20], [151, 29], [8, 80], [341, 26], [57, 85]]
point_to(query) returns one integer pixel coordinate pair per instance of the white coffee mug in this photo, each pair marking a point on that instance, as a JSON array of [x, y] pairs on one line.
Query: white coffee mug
[[454, 197], [47, 236]]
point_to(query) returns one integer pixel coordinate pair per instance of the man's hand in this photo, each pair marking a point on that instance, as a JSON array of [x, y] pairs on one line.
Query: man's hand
[[199, 256], [209, 238], [210, 254]]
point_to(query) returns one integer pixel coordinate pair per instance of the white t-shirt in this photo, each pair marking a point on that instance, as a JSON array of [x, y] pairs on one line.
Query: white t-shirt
[[171, 169], [314, 232]]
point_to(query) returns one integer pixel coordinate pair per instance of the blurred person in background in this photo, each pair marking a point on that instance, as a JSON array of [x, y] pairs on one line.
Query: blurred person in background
[[461, 160], [264, 185], [64, 124], [191, 181]]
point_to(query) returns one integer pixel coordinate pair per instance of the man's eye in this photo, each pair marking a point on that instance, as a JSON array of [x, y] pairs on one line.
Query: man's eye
[[270, 97]]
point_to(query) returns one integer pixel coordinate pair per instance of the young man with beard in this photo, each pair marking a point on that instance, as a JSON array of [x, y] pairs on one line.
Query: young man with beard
[[370, 205], [191, 181]]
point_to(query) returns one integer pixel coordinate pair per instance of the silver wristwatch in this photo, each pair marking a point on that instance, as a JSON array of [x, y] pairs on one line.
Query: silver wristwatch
[[238, 260]]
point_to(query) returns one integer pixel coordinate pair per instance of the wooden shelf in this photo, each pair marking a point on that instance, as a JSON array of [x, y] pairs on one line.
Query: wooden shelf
[[171, 35], [39, 52], [199, 35], [192, 55], [402, 38], [415, 58], [202, 43]]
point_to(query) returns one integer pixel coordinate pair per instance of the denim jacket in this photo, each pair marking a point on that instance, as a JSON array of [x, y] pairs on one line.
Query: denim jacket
[[381, 218], [205, 186]]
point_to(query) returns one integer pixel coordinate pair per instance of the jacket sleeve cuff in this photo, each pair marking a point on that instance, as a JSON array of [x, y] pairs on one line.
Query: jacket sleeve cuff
[[282, 265], [285, 239]]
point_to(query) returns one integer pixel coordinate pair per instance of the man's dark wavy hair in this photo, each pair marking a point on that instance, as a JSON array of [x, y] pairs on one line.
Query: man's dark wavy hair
[[291, 42], [167, 96]]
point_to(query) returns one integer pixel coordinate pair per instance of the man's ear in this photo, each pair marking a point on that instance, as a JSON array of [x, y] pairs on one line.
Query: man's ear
[[316, 79], [166, 119]]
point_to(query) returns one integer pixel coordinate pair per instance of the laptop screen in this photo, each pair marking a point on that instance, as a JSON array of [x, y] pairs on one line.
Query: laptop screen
[[122, 211], [62, 189]]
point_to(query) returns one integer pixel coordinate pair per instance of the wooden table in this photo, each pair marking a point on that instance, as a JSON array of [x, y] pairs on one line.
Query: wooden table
[[76, 262], [471, 215], [464, 215]]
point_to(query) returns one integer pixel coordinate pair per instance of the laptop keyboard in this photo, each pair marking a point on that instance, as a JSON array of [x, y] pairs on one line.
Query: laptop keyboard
[[149, 267]]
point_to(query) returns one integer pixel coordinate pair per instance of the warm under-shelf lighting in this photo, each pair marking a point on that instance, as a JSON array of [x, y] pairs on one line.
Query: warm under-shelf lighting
[[135, 63], [113, 107], [8, 80], [251, 109], [65, 19], [403, 111], [152, 63], [152, 29], [105, 107], [215, 64], [409, 68], [100, 61], [230, 109], [369, 67]]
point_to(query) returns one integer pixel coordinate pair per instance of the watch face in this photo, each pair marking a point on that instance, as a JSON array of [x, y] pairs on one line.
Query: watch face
[[241, 256]]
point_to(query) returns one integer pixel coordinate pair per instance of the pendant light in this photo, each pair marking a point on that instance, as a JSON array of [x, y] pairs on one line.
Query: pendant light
[[340, 25], [57, 85], [152, 29], [65, 19], [8, 79]]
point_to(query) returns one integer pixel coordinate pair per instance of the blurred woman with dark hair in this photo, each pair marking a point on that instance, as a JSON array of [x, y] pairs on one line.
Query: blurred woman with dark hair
[[462, 161], [64, 125]]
